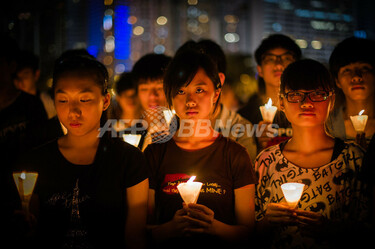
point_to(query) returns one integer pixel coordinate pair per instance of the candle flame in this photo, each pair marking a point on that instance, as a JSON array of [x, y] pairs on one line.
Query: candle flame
[[269, 103], [191, 179], [23, 176], [361, 112]]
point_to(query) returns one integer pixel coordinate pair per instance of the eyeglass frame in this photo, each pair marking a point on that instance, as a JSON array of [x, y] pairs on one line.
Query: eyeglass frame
[[278, 57], [330, 93]]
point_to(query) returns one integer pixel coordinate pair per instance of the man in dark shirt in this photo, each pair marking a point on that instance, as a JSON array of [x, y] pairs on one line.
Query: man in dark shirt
[[273, 55], [20, 116]]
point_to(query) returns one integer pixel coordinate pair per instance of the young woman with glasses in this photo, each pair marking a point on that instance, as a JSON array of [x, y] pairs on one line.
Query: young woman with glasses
[[328, 168]]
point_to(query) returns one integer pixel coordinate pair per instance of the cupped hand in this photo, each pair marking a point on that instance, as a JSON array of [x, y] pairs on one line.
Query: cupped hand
[[181, 222], [309, 218], [280, 214], [201, 218]]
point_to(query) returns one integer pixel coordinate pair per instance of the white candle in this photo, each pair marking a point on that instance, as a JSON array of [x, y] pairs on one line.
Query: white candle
[[132, 139], [189, 190], [359, 122], [168, 115], [21, 191], [25, 181], [268, 111], [292, 192]]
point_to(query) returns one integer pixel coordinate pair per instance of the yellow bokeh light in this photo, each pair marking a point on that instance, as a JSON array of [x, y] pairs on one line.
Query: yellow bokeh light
[[245, 78], [49, 82], [107, 60], [162, 20], [138, 30], [231, 19], [301, 43], [108, 2], [203, 19], [316, 44], [115, 79], [192, 2]]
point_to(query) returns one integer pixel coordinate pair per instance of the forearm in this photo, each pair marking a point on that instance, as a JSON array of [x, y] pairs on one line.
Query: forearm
[[135, 236], [160, 233], [231, 232], [135, 226]]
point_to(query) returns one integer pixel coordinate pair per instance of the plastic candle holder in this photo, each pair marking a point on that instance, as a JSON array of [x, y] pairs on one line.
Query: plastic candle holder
[[25, 183], [168, 115], [359, 122], [190, 190], [268, 111], [292, 192], [132, 139]]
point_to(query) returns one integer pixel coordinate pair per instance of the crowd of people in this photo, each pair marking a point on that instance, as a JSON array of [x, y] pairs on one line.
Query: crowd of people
[[94, 190]]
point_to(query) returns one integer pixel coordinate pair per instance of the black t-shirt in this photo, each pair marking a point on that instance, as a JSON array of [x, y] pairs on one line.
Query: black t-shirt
[[18, 133], [222, 167], [18, 122], [84, 206]]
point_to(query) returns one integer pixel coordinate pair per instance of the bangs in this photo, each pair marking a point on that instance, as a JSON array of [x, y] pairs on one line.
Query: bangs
[[306, 75], [352, 50], [81, 67]]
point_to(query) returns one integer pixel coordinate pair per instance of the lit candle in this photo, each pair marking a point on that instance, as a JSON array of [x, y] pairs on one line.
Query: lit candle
[[21, 178], [292, 192], [268, 111], [132, 139], [168, 115], [359, 122], [25, 182], [189, 190]]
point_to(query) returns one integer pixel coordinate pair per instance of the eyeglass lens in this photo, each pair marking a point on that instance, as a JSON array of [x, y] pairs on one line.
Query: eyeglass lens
[[296, 97], [272, 58]]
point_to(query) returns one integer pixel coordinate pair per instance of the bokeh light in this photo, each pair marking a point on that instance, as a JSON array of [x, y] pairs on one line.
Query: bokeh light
[[161, 20], [139, 30], [132, 20], [316, 44]]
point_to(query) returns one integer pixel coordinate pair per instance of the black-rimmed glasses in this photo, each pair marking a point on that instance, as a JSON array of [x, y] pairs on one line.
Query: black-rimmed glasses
[[286, 58], [315, 96]]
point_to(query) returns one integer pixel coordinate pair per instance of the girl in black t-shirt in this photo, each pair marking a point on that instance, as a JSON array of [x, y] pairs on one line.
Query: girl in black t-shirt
[[92, 189], [225, 209]]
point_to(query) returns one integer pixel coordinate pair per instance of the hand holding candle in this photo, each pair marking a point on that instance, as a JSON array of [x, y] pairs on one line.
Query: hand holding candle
[[268, 111], [359, 122], [292, 192], [190, 190]]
